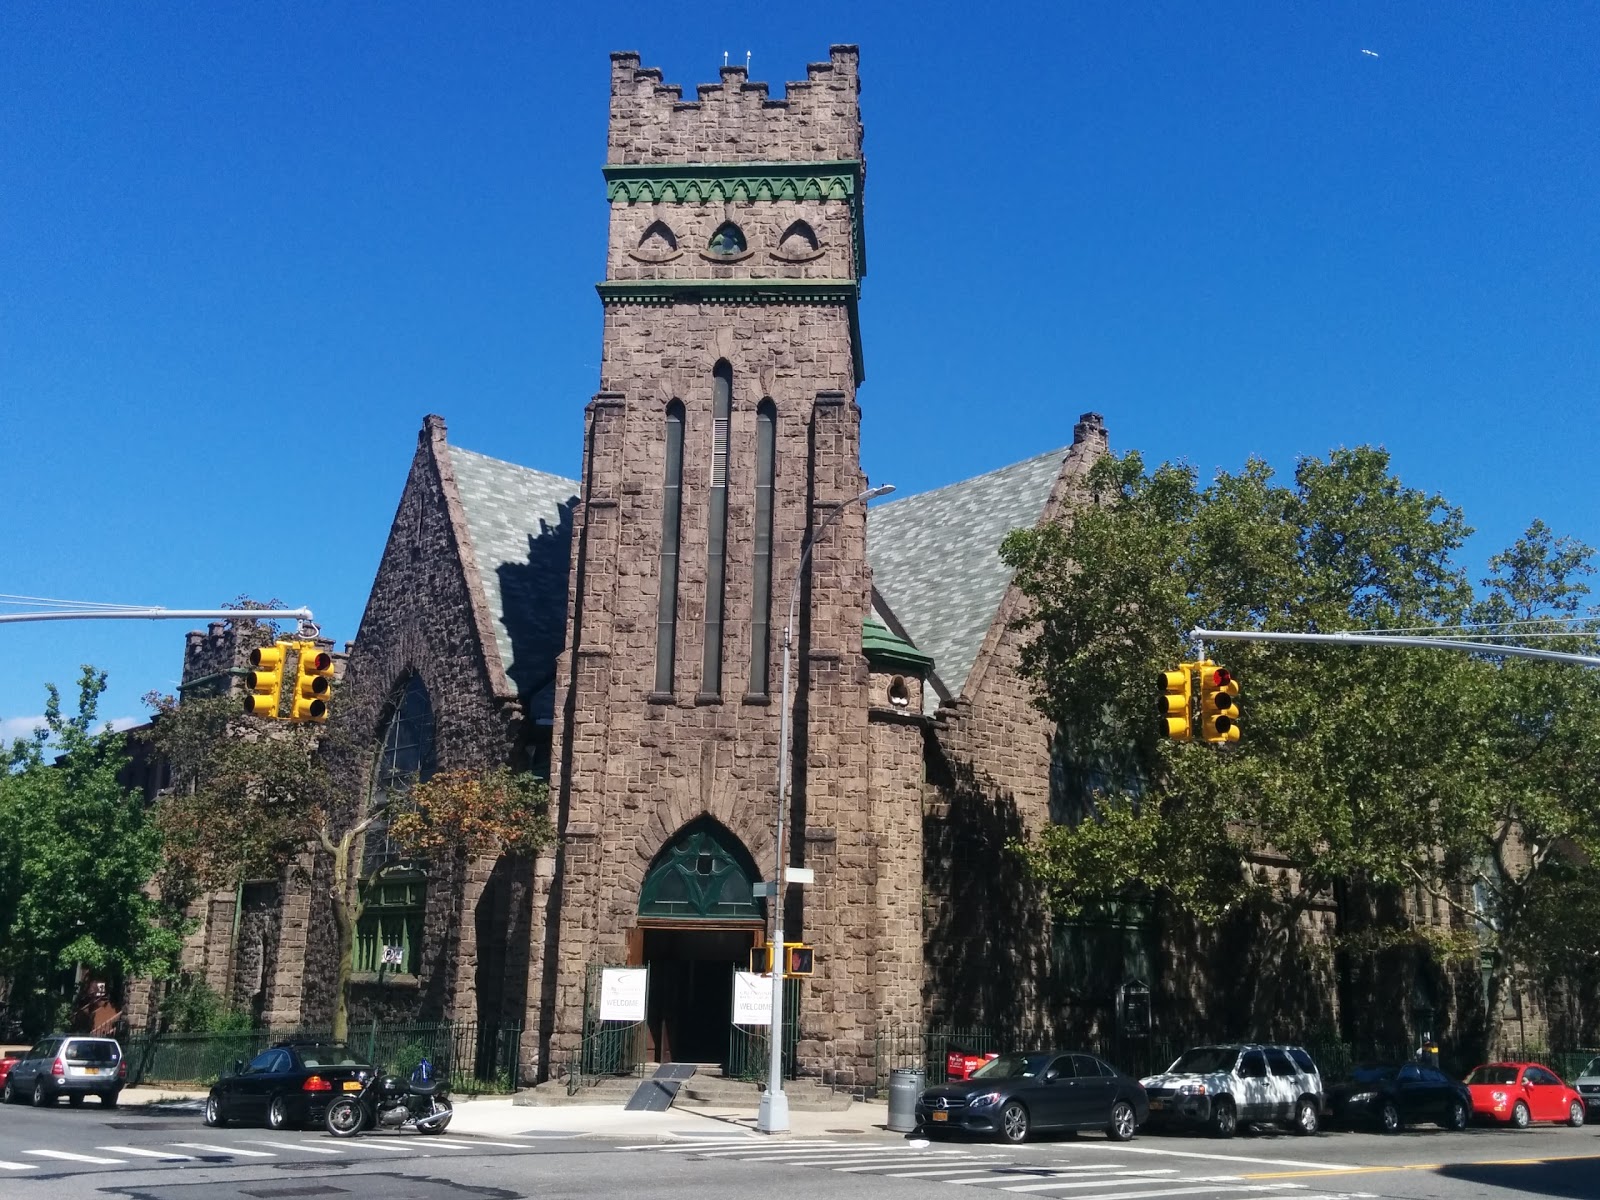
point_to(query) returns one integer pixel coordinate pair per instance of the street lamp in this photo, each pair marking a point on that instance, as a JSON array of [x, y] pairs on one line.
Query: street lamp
[[773, 1116]]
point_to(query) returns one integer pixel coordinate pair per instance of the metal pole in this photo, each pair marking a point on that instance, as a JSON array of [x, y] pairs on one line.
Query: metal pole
[[160, 614], [1379, 639], [773, 1114]]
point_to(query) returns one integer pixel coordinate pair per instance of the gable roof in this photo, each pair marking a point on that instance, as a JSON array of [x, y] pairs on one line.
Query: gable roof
[[520, 523], [935, 559]]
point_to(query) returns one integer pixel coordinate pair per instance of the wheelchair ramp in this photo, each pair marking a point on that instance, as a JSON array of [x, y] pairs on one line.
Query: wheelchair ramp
[[657, 1093]]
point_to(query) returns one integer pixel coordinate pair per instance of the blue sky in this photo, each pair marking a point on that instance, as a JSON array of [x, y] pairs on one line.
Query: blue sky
[[244, 248]]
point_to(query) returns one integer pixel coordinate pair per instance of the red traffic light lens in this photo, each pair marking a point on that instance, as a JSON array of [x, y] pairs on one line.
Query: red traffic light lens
[[1221, 678], [320, 661]]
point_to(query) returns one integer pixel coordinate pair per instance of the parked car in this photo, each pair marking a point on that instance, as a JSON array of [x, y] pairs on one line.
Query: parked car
[[1519, 1093], [6, 1061], [66, 1065], [1588, 1085], [1393, 1095], [1017, 1095], [1220, 1087], [287, 1085]]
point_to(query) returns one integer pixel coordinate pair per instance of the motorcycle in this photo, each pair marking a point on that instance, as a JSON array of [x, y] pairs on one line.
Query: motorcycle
[[389, 1102]]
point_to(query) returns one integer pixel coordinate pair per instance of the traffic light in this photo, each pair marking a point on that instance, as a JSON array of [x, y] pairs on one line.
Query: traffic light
[[1174, 705], [265, 681], [761, 959], [1219, 705], [313, 684], [800, 958]]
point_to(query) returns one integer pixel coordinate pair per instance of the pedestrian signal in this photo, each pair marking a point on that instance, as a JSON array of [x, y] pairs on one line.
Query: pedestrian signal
[[1173, 707], [1219, 706], [799, 959], [265, 682], [313, 684]]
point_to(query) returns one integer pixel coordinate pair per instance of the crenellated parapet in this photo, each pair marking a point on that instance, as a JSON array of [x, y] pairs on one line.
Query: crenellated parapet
[[736, 120]]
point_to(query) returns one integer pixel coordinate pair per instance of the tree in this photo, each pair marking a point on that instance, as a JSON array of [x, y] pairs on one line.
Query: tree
[[1354, 762], [78, 851], [251, 798]]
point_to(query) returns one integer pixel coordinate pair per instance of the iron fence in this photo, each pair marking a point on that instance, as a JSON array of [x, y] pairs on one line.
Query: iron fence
[[473, 1057]]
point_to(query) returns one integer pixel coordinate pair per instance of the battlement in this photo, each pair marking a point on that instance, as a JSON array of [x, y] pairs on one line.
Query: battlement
[[735, 120]]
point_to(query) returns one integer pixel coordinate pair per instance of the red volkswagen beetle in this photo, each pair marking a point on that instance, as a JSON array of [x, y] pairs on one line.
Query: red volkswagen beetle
[[1519, 1093]]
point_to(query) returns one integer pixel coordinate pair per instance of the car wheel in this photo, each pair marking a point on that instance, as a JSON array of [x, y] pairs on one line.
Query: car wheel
[[1520, 1116], [1575, 1113], [1224, 1119], [214, 1117], [1459, 1116], [1122, 1122], [75, 1099], [277, 1114], [9, 1096], [1306, 1118], [1389, 1117], [1014, 1122], [109, 1099], [40, 1096]]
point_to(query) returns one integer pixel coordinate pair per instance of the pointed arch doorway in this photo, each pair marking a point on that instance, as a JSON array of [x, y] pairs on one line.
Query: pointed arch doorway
[[698, 921]]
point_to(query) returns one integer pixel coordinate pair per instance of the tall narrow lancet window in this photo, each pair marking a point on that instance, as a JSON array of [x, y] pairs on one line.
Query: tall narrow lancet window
[[717, 526], [671, 511], [761, 591]]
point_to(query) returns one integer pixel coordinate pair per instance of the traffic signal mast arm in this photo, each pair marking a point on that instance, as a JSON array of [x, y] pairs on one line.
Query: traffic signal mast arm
[[1201, 636], [303, 615]]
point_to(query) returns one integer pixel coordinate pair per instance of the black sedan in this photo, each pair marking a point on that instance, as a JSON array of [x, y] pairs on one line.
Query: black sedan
[[287, 1085], [1016, 1095], [1391, 1096]]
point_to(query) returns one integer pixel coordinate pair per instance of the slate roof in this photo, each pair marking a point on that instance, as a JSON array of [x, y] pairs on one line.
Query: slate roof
[[936, 559], [520, 522]]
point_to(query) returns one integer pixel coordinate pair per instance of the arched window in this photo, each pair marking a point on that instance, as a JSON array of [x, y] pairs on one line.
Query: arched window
[[727, 241], [717, 527], [703, 873], [671, 512], [761, 591], [405, 757]]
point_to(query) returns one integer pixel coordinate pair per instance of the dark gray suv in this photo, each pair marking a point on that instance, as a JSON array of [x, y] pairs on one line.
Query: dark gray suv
[[74, 1067]]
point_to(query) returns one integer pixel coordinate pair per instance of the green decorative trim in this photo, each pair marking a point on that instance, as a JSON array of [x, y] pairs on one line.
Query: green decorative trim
[[701, 875], [704, 183], [744, 291], [884, 649]]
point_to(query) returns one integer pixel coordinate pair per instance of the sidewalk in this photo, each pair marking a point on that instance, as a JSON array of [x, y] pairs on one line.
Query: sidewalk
[[498, 1116]]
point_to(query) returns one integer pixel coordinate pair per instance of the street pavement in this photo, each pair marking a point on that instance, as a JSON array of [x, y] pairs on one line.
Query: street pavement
[[159, 1149]]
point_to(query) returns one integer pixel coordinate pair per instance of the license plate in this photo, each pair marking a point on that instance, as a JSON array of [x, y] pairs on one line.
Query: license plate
[[1157, 1105], [941, 1116], [351, 1085], [91, 1070]]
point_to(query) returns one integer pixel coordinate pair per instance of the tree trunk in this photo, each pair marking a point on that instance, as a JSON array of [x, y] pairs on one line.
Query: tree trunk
[[347, 908]]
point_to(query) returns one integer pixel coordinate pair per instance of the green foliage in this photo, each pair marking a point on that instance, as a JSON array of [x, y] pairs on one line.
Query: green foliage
[[78, 850], [193, 1006], [1384, 766]]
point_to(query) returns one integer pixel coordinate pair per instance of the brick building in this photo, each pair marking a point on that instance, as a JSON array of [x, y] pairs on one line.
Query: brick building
[[623, 632]]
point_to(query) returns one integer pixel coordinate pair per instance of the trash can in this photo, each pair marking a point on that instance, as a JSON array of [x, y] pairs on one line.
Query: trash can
[[905, 1085]]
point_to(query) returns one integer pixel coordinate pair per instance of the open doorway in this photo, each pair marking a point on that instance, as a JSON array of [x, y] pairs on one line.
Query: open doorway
[[690, 1008]]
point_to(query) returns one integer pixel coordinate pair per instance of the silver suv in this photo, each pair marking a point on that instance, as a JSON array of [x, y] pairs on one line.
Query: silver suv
[[74, 1067], [1588, 1085], [1221, 1087]]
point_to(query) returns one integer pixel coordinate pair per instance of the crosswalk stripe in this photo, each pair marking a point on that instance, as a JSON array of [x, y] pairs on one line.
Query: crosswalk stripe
[[366, 1144], [708, 1142], [69, 1156], [168, 1155], [835, 1158], [453, 1145], [11, 1166], [744, 1148], [945, 1173], [912, 1161], [1108, 1178], [1124, 1148], [1209, 1189], [210, 1149], [306, 1146], [504, 1145]]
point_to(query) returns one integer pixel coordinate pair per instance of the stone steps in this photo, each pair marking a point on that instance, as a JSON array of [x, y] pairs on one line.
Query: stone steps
[[699, 1091]]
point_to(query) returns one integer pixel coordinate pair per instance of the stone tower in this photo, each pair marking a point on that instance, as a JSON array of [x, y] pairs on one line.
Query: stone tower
[[724, 433]]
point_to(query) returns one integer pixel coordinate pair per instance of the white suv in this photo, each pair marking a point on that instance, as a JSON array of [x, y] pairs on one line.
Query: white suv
[[1221, 1087]]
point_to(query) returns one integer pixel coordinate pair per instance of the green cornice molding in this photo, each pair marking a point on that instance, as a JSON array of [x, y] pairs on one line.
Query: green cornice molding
[[662, 292], [704, 183], [885, 649]]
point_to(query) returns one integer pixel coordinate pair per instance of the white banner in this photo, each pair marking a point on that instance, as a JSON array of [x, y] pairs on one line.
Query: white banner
[[622, 993], [752, 998]]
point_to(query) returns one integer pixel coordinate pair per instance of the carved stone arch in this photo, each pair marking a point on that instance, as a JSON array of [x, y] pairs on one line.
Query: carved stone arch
[[799, 243], [703, 873], [657, 244], [727, 244]]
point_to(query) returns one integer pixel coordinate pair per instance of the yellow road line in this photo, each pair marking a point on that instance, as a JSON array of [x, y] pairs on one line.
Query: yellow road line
[[1492, 1162]]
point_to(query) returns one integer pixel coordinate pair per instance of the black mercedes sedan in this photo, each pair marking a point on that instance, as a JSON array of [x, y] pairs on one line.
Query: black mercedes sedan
[[1390, 1096], [287, 1085], [1017, 1095]]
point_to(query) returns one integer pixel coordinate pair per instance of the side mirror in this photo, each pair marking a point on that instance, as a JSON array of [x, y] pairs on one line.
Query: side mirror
[[1052, 1075], [238, 1066]]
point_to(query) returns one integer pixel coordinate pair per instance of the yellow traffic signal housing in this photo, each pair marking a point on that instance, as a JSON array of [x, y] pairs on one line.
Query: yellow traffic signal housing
[[265, 681], [761, 959], [800, 958], [1219, 705], [1174, 706], [313, 684]]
